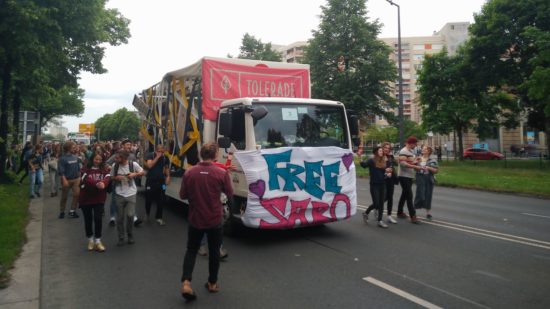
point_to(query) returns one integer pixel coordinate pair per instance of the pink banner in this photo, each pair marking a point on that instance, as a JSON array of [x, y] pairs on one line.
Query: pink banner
[[223, 81]]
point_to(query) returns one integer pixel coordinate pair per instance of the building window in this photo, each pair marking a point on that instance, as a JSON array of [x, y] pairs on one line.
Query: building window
[[418, 57], [437, 46], [418, 47]]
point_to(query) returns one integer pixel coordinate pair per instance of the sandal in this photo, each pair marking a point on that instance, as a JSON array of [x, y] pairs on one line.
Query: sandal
[[212, 287], [187, 291]]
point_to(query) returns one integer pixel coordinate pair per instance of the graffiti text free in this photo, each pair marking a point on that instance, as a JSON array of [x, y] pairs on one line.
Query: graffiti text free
[[314, 171]]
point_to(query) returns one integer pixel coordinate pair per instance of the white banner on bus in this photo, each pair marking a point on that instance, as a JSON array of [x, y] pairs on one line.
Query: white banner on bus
[[290, 187]]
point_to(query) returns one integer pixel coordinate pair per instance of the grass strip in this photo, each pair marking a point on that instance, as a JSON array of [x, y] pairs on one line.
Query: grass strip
[[529, 177], [14, 214]]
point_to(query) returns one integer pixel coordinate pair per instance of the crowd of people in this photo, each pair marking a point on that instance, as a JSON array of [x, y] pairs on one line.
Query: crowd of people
[[93, 172], [386, 171]]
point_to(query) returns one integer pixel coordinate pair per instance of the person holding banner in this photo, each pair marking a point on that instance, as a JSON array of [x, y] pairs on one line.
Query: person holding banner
[[425, 181], [378, 172], [391, 163], [407, 166]]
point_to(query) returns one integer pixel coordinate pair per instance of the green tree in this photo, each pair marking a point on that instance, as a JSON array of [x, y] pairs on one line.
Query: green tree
[[510, 52], [44, 45], [451, 102], [252, 48], [537, 83], [381, 134], [119, 125], [390, 133], [348, 63], [411, 128]]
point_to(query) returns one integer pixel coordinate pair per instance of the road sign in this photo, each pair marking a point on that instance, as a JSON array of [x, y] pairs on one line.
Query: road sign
[[86, 128]]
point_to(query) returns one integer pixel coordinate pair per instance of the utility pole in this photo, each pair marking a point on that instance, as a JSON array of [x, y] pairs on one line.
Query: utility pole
[[400, 110]]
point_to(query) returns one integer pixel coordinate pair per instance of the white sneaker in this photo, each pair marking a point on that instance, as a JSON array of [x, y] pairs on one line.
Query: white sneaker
[[203, 251], [391, 220], [90, 244], [161, 222], [223, 253], [382, 224]]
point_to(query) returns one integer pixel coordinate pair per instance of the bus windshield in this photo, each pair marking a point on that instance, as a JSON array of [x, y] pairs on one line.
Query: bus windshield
[[301, 125]]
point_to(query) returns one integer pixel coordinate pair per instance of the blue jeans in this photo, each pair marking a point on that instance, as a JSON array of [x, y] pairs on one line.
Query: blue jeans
[[113, 209], [36, 180]]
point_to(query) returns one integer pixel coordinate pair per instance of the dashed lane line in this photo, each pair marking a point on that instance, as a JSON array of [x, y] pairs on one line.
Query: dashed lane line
[[417, 300], [440, 290], [534, 215]]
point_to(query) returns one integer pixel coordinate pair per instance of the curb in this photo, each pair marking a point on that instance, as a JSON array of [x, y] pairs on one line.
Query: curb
[[23, 291]]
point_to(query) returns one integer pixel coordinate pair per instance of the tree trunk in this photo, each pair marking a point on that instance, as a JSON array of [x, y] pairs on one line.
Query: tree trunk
[[547, 134], [6, 84], [16, 107], [460, 134], [454, 144]]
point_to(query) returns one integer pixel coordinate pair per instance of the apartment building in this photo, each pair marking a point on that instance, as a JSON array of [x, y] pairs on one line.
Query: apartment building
[[293, 53], [413, 52]]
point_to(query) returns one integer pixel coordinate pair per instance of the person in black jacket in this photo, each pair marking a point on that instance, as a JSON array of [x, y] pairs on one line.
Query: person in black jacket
[[377, 172], [24, 161], [158, 177]]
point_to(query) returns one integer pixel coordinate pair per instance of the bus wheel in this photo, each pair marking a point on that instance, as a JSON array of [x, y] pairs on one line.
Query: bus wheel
[[231, 225]]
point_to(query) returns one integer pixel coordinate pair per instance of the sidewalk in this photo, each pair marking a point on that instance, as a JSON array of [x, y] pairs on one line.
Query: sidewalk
[[23, 291]]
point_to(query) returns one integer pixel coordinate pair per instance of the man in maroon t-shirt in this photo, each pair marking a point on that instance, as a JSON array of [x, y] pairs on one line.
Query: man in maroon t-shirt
[[201, 186]]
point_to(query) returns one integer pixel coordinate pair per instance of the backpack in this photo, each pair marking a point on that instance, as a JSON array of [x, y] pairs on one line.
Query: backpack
[[130, 165], [111, 186]]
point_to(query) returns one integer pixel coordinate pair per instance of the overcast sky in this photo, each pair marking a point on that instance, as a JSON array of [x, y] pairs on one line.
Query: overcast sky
[[171, 34]]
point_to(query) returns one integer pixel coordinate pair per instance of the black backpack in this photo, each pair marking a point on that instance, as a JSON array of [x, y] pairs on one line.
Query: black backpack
[[111, 185]]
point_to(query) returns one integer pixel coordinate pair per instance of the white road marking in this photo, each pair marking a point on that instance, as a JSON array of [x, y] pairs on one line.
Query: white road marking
[[533, 244], [403, 276], [534, 215], [408, 296], [492, 232], [474, 230], [491, 275]]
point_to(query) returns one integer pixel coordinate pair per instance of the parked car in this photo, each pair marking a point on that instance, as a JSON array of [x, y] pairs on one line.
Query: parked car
[[482, 154]]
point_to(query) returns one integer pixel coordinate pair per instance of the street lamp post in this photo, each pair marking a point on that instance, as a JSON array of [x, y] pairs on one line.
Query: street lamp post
[[400, 115]]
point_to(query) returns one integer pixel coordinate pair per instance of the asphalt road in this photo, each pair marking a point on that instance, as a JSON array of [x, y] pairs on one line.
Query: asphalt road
[[482, 250]]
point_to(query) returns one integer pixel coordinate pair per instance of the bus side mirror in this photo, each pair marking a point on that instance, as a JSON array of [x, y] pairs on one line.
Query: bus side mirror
[[224, 142], [225, 124]]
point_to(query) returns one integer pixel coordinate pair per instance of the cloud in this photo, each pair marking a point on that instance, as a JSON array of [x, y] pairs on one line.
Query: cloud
[[168, 35]]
